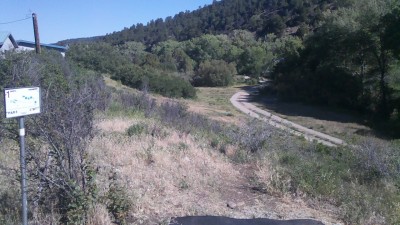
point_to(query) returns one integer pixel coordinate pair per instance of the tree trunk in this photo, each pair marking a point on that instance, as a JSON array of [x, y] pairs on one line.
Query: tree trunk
[[383, 109]]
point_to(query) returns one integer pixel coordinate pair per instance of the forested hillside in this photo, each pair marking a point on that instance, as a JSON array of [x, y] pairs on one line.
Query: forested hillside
[[340, 53], [222, 17]]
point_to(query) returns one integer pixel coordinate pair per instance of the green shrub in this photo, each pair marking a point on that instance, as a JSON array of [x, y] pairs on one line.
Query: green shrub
[[214, 142], [136, 129], [214, 73], [183, 184], [119, 203], [58, 167], [363, 180], [10, 207], [252, 81], [170, 86]]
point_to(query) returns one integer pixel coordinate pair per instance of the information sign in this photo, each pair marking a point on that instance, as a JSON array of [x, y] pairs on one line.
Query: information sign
[[21, 101]]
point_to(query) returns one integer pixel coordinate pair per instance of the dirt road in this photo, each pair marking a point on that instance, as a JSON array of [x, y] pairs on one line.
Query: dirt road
[[241, 101]]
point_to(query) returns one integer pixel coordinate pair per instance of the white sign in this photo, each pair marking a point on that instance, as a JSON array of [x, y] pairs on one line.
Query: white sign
[[21, 101]]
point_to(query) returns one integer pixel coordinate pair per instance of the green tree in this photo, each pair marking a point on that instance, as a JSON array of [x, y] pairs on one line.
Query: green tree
[[97, 56], [391, 33], [214, 73], [255, 61], [134, 51], [356, 46], [172, 55], [372, 31]]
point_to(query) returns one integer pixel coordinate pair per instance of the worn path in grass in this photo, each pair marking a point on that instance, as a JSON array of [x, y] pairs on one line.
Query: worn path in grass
[[241, 101]]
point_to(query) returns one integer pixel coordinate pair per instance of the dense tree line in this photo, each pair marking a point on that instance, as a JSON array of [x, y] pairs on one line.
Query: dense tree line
[[351, 61], [105, 58], [222, 17], [172, 68], [187, 47]]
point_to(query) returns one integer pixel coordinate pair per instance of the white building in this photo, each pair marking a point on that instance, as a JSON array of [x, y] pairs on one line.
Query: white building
[[7, 43], [30, 46]]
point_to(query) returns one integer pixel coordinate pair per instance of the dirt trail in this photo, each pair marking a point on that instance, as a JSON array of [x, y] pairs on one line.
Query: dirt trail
[[241, 101]]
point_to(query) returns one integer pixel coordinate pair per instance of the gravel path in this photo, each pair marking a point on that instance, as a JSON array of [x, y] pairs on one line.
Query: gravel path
[[241, 101]]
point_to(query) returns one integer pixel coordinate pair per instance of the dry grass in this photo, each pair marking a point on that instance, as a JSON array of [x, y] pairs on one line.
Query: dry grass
[[98, 215], [165, 177], [9, 186], [9, 158], [117, 85], [179, 175], [214, 103], [211, 102]]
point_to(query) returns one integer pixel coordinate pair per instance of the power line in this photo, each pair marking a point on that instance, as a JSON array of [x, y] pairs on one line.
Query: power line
[[27, 18]]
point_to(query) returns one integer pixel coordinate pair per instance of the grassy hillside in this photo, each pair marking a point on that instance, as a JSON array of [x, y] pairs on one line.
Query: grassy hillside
[[102, 153], [151, 159], [176, 158]]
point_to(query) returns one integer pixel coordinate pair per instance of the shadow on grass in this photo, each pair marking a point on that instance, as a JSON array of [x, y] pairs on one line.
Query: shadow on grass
[[272, 103], [297, 109]]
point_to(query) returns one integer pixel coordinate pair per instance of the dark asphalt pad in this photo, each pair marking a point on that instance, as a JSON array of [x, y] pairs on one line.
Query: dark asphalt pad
[[218, 220]]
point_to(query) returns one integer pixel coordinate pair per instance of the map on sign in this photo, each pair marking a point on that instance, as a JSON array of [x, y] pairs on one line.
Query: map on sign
[[21, 101]]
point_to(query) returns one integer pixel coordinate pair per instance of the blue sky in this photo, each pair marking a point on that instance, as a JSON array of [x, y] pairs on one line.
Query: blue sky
[[64, 19]]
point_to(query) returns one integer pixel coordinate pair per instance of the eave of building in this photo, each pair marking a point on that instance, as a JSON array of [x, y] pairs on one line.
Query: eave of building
[[3, 37], [48, 46]]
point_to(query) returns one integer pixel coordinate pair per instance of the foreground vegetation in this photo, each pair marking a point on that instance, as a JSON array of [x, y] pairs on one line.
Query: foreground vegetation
[[85, 167], [100, 155], [60, 176]]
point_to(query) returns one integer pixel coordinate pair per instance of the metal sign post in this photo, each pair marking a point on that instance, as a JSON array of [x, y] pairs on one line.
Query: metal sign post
[[19, 103], [23, 170]]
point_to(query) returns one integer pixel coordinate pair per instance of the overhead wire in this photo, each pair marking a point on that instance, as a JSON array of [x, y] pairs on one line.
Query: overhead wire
[[15, 21]]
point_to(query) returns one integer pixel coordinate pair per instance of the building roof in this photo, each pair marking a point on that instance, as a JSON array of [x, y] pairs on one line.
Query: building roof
[[49, 46], [3, 37]]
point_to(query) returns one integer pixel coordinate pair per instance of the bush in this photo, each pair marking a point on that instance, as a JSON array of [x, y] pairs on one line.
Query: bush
[[106, 59], [119, 203], [164, 84], [136, 129], [59, 171], [170, 86], [215, 73], [363, 180], [10, 208], [172, 112], [252, 136]]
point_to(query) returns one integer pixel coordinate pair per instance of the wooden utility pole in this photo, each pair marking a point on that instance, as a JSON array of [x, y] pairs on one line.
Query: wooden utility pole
[[36, 32]]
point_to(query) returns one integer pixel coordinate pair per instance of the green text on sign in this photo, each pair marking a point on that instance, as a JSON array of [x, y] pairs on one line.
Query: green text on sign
[[21, 101]]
